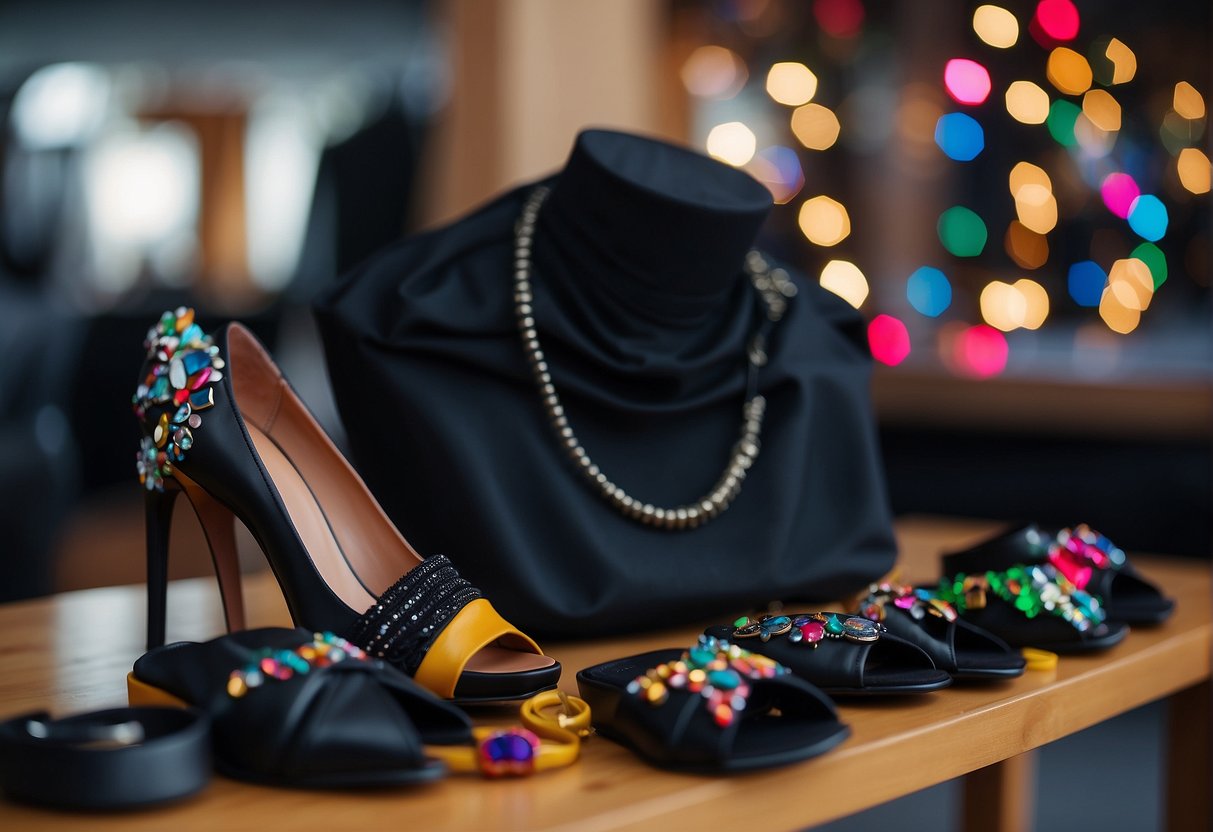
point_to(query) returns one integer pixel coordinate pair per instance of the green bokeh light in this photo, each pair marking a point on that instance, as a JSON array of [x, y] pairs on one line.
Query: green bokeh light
[[962, 232], [1153, 257], [1062, 115]]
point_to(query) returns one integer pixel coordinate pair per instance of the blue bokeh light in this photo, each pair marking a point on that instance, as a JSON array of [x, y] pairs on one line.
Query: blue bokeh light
[[929, 291], [1086, 283], [1148, 217], [959, 136]]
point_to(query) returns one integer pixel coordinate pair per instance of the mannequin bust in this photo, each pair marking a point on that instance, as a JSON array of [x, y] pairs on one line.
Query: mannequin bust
[[644, 312]]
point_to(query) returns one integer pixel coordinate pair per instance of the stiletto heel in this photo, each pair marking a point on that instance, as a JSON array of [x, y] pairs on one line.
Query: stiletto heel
[[342, 566], [158, 505], [219, 525]]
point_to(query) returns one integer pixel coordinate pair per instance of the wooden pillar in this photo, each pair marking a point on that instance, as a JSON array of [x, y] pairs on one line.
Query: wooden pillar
[[1001, 797], [527, 75], [1189, 778]]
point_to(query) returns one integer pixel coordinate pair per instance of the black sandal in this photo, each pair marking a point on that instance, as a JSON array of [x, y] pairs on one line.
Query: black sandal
[[1088, 559], [713, 708], [934, 626], [1031, 606], [860, 660], [290, 708]]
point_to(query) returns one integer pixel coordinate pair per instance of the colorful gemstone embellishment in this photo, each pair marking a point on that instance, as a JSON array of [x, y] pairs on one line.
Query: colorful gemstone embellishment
[[917, 603], [809, 628], [718, 671], [1078, 552], [1032, 589], [281, 664], [181, 369], [508, 753]]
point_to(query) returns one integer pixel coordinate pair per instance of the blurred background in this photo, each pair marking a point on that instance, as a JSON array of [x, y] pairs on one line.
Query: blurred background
[[1015, 195]]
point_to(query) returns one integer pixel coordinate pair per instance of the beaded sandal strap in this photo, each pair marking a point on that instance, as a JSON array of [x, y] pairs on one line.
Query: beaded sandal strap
[[406, 619]]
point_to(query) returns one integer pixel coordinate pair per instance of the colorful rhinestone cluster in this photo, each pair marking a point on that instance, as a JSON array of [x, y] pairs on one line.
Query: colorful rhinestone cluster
[[182, 365], [508, 753], [716, 670], [809, 628], [1033, 589], [917, 603], [281, 664], [1078, 552]]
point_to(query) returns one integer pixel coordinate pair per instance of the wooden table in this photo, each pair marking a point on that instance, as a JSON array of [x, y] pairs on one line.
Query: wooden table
[[71, 652]]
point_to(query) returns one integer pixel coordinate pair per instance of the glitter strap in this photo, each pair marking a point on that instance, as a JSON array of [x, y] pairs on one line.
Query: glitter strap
[[403, 623]]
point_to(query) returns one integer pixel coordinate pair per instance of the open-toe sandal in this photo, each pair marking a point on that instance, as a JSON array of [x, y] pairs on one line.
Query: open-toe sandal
[[293, 708], [713, 708], [1033, 605], [859, 657], [934, 626], [1088, 559]]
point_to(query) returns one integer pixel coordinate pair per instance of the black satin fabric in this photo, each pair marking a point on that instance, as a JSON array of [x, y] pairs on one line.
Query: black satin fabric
[[644, 313]]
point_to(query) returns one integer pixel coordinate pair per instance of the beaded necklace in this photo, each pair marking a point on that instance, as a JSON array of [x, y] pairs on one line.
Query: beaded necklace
[[772, 285]]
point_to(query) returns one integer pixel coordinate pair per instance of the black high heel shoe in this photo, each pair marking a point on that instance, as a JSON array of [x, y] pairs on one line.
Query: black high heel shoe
[[343, 567]]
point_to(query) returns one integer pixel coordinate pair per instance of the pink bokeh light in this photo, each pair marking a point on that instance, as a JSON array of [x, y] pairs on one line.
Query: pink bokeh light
[[968, 82], [1057, 19], [889, 340], [981, 351], [1118, 191]]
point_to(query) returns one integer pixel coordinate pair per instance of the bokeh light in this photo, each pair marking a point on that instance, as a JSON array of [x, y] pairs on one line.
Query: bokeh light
[[1102, 109], [1003, 306], [843, 278], [1026, 173], [1194, 170], [732, 142], [824, 221], [1118, 317], [1028, 249], [1062, 115], [1148, 217], [962, 232], [1178, 132], [1124, 62], [981, 352], [1118, 191], [1036, 303], [1068, 71], [840, 18], [714, 72], [1187, 102], [1095, 143], [996, 26], [889, 340], [779, 169], [959, 136], [929, 291], [815, 126], [967, 81], [1086, 281], [791, 83], [1057, 19], [1132, 283], [1027, 102], [1036, 208], [1155, 261]]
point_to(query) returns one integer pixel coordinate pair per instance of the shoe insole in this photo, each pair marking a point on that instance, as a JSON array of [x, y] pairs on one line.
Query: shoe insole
[[319, 531]]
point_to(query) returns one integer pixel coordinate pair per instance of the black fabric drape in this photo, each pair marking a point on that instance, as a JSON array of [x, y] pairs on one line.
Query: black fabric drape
[[644, 313]]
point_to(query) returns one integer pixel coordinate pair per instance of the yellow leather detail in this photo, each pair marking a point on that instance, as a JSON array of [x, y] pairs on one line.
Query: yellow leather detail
[[474, 627], [142, 694]]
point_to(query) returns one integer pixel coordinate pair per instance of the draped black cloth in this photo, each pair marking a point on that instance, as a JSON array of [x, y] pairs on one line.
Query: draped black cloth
[[644, 312]]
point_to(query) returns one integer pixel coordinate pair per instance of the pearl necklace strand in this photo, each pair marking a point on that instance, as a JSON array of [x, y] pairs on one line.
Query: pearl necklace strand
[[773, 286]]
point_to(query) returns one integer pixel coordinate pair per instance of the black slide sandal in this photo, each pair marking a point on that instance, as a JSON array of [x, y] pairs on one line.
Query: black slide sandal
[[965, 651], [295, 709], [858, 658], [1088, 559], [657, 705]]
